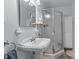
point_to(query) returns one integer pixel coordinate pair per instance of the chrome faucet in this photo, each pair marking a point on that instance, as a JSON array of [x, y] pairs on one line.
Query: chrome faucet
[[33, 38]]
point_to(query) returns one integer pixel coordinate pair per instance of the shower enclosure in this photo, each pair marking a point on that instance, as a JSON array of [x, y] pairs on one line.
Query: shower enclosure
[[54, 29]]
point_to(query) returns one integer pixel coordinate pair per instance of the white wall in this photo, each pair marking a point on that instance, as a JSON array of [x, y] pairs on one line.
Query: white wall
[[11, 19], [68, 32], [67, 6], [67, 10]]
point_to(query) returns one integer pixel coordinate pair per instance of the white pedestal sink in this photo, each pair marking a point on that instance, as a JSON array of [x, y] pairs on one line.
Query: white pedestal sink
[[35, 46]]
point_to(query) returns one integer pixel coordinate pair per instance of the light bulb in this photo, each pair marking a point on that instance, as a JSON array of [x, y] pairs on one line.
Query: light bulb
[[47, 16]]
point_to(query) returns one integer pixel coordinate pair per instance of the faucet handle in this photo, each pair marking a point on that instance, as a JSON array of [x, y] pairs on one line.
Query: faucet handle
[[32, 39]]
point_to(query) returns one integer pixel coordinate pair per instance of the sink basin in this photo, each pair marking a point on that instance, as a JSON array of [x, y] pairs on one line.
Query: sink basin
[[35, 45]]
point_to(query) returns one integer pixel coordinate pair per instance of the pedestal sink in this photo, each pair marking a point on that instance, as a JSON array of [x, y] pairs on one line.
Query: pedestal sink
[[36, 45]]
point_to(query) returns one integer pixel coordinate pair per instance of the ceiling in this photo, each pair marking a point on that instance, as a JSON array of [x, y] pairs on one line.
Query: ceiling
[[65, 5]]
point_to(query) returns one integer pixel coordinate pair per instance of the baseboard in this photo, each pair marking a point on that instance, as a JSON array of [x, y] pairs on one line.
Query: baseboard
[[56, 55]]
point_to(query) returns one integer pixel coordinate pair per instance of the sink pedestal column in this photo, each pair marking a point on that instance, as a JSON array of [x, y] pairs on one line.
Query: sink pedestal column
[[38, 55], [21, 54]]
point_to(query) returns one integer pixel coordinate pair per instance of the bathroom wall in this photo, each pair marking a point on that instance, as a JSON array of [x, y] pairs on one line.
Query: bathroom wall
[[67, 10], [67, 6], [11, 19], [68, 27]]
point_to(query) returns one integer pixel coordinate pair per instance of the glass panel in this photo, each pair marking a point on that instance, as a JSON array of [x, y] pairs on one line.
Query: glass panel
[[50, 28], [58, 31], [54, 29]]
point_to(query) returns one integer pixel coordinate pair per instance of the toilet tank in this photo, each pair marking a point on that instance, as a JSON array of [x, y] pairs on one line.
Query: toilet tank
[[25, 32]]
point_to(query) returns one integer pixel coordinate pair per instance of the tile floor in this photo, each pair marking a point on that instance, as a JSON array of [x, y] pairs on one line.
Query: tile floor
[[61, 57], [65, 57], [70, 54]]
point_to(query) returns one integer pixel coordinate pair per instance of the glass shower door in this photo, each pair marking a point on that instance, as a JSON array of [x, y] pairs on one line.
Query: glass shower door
[[54, 29], [58, 38]]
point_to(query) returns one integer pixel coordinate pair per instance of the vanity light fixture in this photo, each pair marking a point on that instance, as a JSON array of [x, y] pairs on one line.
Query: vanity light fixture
[[31, 4], [38, 2]]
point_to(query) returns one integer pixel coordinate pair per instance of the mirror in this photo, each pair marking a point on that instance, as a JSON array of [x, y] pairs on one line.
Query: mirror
[[27, 13]]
